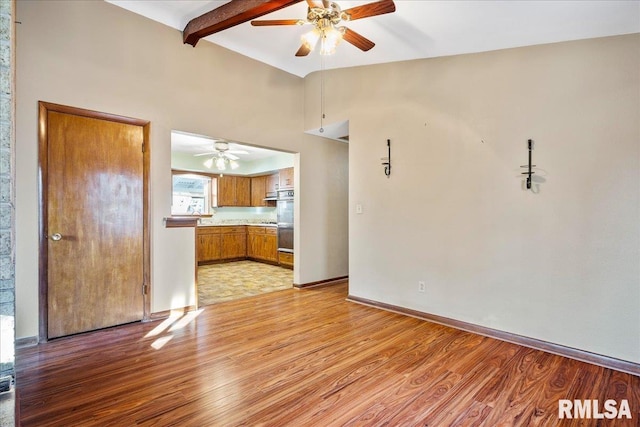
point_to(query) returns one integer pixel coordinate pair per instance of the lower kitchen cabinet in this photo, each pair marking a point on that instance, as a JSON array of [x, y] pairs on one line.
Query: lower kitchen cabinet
[[234, 242], [221, 243], [217, 243], [262, 243], [285, 259], [208, 244]]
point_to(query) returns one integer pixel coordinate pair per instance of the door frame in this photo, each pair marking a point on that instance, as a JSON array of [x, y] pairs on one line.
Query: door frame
[[43, 168]]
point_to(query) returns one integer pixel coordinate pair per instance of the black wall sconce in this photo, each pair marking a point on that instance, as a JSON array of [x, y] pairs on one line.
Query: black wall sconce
[[529, 166], [387, 163]]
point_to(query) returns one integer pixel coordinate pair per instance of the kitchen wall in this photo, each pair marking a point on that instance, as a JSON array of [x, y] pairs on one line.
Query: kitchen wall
[[559, 262], [241, 215], [98, 56]]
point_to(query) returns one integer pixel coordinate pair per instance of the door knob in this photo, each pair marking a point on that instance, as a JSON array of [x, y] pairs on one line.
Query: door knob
[[56, 236]]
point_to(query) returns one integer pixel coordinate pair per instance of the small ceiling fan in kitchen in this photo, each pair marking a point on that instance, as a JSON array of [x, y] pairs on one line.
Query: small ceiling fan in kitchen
[[222, 156], [325, 16]]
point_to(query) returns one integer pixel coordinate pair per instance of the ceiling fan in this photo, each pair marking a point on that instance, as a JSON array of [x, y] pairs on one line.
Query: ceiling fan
[[222, 156], [325, 17]]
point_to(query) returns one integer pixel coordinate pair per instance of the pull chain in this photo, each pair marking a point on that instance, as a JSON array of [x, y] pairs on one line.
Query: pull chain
[[321, 93]]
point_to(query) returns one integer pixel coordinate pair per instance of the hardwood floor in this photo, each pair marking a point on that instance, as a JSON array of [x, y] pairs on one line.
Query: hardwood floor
[[303, 358]]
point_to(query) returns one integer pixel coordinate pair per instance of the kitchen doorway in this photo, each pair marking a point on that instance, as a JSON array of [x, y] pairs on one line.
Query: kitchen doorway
[[235, 191]]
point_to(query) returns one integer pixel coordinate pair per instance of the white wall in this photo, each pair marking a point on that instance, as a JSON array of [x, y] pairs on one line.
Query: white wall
[[561, 263], [97, 56]]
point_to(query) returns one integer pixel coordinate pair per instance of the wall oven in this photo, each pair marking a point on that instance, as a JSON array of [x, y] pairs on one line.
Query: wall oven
[[284, 208]]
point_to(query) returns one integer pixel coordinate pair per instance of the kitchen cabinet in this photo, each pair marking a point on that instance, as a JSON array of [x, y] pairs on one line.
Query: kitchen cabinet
[[234, 242], [234, 190], [285, 259], [285, 179], [262, 243], [263, 186], [273, 183], [216, 243], [208, 244], [259, 190]]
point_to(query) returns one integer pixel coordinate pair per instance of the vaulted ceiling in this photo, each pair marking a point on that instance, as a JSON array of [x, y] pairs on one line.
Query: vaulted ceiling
[[417, 29]]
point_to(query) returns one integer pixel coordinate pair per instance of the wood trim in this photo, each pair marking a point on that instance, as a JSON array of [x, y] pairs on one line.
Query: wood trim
[[49, 106], [180, 221], [561, 350], [43, 215], [26, 342], [166, 313], [225, 260], [43, 109], [146, 210], [229, 15], [327, 282]]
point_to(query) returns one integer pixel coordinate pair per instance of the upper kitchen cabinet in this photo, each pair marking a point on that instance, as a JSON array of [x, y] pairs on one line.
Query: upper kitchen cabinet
[[273, 182], [234, 191], [286, 179], [259, 191]]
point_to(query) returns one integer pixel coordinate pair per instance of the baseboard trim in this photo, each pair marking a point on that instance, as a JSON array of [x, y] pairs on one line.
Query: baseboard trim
[[327, 282], [26, 342], [159, 315], [560, 350]]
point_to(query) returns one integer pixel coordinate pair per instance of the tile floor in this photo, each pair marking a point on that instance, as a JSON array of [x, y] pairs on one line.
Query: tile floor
[[234, 280]]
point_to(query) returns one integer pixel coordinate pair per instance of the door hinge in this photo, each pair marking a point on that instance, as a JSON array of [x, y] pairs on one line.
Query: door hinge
[[143, 147], [144, 289]]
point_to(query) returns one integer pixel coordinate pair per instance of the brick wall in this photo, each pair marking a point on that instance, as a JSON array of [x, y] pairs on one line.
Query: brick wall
[[7, 196]]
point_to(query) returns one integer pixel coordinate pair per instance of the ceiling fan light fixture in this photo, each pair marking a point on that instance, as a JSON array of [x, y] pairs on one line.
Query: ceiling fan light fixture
[[233, 164], [209, 162], [220, 163], [331, 37], [325, 18]]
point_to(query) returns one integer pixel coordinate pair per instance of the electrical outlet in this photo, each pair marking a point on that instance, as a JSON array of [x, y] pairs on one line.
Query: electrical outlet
[[422, 287], [358, 208]]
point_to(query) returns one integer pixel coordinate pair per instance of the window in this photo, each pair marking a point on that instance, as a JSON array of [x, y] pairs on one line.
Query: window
[[191, 195]]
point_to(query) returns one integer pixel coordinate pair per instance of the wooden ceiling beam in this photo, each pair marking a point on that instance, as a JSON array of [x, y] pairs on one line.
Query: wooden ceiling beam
[[229, 15]]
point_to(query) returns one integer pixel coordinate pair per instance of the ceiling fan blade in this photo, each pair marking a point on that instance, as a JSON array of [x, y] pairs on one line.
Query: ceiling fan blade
[[266, 22], [231, 156], [357, 40], [313, 4], [304, 50], [371, 9], [205, 154], [238, 152], [326, 4]]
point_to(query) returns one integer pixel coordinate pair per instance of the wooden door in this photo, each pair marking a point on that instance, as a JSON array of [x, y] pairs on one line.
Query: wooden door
[[273, 182], [252, 242], [234, 245], [286, 178], [95, 241], [258, 190], [243, 191], [226, 191], [209, 247], [271, 247]]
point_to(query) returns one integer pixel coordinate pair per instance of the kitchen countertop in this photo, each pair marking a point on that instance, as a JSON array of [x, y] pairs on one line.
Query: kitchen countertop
[[238, 224]]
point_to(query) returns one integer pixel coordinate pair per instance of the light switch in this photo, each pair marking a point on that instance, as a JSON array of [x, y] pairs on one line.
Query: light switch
[[358, 208]]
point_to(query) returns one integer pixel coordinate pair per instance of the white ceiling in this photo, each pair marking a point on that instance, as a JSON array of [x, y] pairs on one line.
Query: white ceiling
[[417, 29], [182, 142]]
